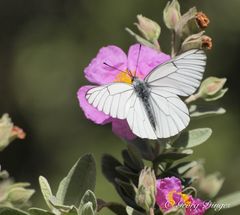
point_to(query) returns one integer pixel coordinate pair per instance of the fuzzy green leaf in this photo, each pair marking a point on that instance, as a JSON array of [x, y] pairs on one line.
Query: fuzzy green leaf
[[11, 211], [46, 190], [230, 200], [81, 177], [205, 111], [109, 164], [87, 209], [144, 147], [171, 156], [73, 211], [38, 211], [57, 206], [126, 172], [116, 208], [131, 211], [193, 138], [135, 156], [89, 196]]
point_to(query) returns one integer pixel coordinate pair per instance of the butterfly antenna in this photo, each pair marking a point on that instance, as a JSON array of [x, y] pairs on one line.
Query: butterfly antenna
[[140, 47], [113, 67]]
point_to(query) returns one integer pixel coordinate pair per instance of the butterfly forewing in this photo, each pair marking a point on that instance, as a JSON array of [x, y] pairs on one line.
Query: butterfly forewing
[[112, 99], [182, 74]]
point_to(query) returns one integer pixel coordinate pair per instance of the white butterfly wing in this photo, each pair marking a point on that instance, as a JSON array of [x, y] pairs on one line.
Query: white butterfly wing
[[138, 120], [119, 100], [112, 99], [170, 113], [180, 76]]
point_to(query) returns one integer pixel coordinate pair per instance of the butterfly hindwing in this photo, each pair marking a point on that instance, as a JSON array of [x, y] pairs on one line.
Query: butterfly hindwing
[[182, 75], [170, 113]]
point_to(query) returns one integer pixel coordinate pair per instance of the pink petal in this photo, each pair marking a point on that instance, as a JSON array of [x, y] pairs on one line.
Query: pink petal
[[198, 207], [121, 129], [148, 59], [99, 73], [164, 187], [89, 111]]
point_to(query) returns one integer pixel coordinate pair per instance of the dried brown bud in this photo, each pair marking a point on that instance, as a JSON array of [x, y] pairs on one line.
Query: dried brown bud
[[18, 132], [197, 41], [202, 20], [207, 42]]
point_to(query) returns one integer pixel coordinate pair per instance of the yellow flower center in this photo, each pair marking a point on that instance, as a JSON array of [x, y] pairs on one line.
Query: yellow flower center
[[185, 198], [123, 77], [170, 197]]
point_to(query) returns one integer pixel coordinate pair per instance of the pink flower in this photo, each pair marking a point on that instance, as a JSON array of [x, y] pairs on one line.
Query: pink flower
[[168, 192], [169, 195], [97, 72], [197, 207]]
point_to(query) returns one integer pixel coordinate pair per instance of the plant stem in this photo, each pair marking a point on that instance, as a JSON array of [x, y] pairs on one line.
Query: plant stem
[[192, 98], [173, 51], [151, 211]]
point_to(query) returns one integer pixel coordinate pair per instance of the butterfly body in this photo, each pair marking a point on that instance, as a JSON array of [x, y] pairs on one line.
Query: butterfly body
[[152, 106], [142, 91]]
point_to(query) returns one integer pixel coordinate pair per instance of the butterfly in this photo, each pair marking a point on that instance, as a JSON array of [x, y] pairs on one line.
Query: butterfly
[[152, 107]]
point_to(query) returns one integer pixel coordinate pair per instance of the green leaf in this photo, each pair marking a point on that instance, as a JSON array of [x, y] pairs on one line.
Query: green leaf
[[109, 164], [127, 187], [46, 190], [135, 156], [193, 138], [73, 211], [171, 156], [11, 211], [126, 172], [116, 208], [131, 211], [205, 111], [132, 158], [87, 209], [58, 206], [81, 177], [183, 167], [38, 211], [144, 147], [230, 200], [89, 196]]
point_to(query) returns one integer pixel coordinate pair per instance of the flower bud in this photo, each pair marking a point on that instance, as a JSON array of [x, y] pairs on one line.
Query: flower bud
[[197, 41], [206, 42], [149, 29], [211, 184], [212, 88], [8, 132], [192, 22], [202, 20], [146, 191], [197, 172], [172, 14]]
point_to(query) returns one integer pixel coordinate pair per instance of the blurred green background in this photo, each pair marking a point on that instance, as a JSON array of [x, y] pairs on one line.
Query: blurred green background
[[44, 47]]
